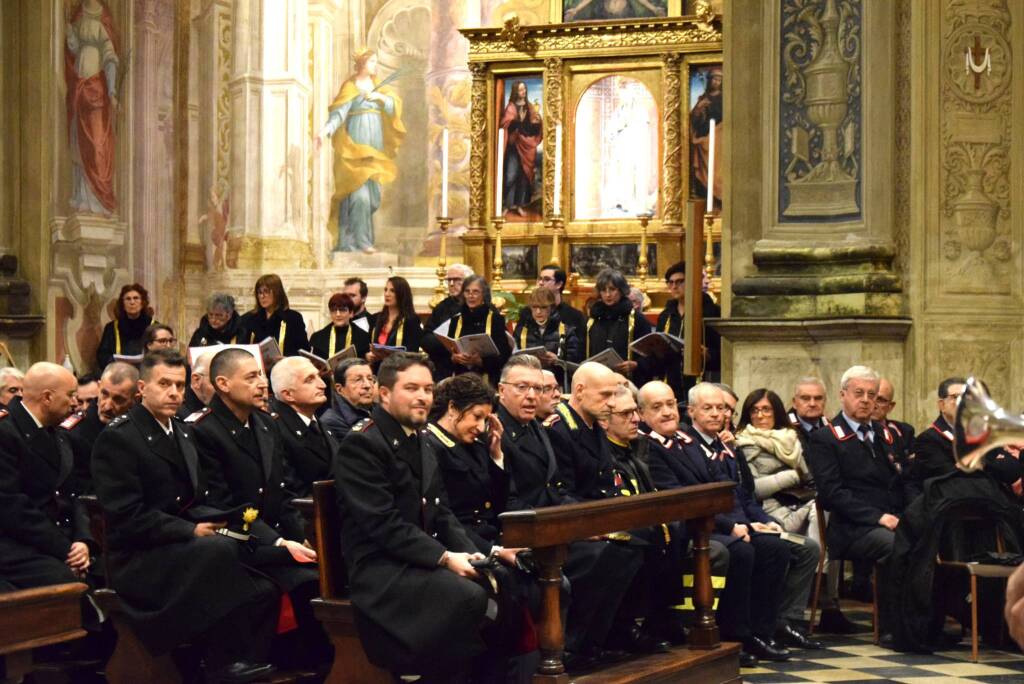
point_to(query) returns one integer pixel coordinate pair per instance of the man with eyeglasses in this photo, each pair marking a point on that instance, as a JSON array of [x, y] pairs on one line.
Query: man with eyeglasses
[[551, 395], [553, 278], [355, 388], [671, 321], [903, 432]]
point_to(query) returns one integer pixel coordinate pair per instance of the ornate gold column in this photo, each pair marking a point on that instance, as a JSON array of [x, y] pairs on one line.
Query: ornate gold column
[[672, 185], [478, 150]]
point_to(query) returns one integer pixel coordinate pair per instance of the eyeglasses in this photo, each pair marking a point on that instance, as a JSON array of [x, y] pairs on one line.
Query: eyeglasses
[[761, 411], [523, 388], [628, 413]]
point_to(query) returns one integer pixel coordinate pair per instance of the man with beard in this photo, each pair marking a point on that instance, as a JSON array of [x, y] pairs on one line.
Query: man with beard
[[241, 453], [118, 392], [354, 387], [178, 580], [402, 545], [749, 607], [308, 446], [357, 290], [200, 391]]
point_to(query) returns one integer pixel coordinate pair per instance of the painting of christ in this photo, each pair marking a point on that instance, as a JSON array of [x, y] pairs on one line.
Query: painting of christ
[[521, 117], [705, 107]]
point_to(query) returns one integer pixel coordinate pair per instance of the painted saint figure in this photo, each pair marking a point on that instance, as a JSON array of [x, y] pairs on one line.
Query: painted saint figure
[[365, 127], [523, 135], [707, 107], [91, 63]]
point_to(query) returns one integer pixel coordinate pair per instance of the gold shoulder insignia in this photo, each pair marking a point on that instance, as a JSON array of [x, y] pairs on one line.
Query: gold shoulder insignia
[[563, 410], [439, 433]]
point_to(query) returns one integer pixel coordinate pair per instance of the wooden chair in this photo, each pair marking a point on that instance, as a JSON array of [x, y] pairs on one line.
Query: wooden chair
[[333, 608], [820, 572], [976, 569], [31, 618]]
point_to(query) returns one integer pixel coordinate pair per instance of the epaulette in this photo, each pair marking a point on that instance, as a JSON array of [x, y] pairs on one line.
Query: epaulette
[[119, 420], [887, 435], [894, 427], [660, 439], [563, 410], [439, 433], [72, 420], [840, 433], [825, 420], [363, 425], [198, 415], [945, 433], [793, 420], [551, 420]]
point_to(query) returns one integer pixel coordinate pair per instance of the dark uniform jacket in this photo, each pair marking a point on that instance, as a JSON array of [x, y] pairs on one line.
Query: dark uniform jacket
[[933, 456], [191, 405], [474, 322], [82, 430], [308, 450], [256, 327], [476, 488], [903, 434], [126, 340], [340, 419], [173, 585], [672, 322], [395, 527], [320, 342], [584, 459], [803, 433], [205, 335], [405, 333], [245, 465], [610, 327], [40, 514], [531, 461], [857, 481]]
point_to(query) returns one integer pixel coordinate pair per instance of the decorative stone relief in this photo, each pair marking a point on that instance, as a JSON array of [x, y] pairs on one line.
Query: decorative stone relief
[[820, 111], [976, 128], [986, 359]]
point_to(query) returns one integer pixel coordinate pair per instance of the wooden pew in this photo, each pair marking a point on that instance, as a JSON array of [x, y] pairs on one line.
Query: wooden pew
[[31, 618], [548, 531], [333, 608]]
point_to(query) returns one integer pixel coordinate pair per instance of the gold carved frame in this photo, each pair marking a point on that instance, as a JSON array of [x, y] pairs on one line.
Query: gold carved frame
[[659, 53]]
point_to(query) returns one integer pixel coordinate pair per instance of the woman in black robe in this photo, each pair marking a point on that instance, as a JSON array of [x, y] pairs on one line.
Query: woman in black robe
[[614, 324], [340, 333], [220, 324], [476, 316], [123, 335], [272, 317]]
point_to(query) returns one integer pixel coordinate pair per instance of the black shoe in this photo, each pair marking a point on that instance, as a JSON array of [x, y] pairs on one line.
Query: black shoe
[[792, 636], [241, 671], [834, 622], [672, 630], [633, 639], [886, 640], [766, 650], [748, 659]]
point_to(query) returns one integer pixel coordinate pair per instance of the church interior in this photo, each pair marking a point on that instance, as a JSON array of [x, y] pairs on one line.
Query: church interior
[[829, 181]]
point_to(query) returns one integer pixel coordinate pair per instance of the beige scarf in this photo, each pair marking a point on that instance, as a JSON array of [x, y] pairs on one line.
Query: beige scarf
[[783, 443]]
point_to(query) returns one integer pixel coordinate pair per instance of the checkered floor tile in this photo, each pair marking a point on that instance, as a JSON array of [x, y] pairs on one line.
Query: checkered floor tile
[[854, 659]]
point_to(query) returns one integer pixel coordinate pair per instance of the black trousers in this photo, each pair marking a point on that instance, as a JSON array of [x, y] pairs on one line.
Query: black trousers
[[749, 604], [600, 573], [876, 547]]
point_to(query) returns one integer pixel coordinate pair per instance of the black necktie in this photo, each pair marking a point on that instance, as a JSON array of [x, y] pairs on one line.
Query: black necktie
[[314, 427]]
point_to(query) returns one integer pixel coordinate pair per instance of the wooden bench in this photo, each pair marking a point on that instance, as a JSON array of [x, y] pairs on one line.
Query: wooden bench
[[333, 608], [31, 618], [548, 531]]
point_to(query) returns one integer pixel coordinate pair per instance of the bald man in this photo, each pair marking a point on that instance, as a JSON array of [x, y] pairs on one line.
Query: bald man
[[200, 390], [902, 432], [44, 531]]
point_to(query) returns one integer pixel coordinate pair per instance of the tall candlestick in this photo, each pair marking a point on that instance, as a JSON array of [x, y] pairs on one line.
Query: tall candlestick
[[500, 165], [710, 207], [557, 209], [444, 172]]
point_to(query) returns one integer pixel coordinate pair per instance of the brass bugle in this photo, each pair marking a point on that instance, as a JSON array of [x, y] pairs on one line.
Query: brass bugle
[[982, 425]]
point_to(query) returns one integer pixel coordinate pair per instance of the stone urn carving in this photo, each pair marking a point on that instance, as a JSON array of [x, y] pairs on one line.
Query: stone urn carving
[[975, 214]]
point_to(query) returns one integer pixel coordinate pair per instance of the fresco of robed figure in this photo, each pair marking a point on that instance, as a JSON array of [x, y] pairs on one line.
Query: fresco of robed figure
[[521, 120], [705, 105], [365, 128]]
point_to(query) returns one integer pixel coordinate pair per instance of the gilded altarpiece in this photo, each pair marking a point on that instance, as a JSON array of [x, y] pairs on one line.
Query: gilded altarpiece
[[642, 71]]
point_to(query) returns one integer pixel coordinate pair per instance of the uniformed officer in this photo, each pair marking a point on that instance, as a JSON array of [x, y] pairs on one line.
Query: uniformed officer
[[808, 411], [308, 446], [44, 529], [420, 608], [241, 451], [200, 390], [903, 433], [749, 607], [355, 388], [855, 470], [118, 392], [178, 580]]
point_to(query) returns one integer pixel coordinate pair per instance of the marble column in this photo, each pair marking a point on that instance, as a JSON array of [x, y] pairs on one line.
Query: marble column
[[809, 248]]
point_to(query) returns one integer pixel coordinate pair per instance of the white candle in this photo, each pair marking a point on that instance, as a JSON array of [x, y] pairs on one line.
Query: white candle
[[444, 172], [557, 209], [500, 165], [711, 169]]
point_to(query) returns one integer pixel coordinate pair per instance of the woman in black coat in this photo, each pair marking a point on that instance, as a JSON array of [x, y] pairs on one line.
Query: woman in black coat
[[340, 333], [272, 317], [123, 335], [465, 438], [476, 316], [397, 323], [545, 328], [220, 324], [614, 323]]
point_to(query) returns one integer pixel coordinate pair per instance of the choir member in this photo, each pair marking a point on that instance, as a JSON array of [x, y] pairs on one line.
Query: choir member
[[476, 316], [357, 290], [340, 333], [158, 336], [545, 328], [123, 335], [220, 323], [672, 321], [397, 323], [272, 317], [553, 278], [615, 324]]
